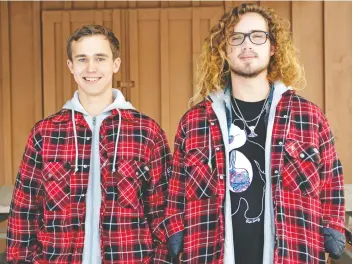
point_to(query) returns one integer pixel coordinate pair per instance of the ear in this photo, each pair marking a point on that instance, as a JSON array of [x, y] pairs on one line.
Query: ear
[[69, 65], [272, 50], [116, 65]]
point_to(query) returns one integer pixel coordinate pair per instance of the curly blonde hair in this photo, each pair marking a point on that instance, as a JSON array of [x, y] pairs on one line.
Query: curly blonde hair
[[213, 70]]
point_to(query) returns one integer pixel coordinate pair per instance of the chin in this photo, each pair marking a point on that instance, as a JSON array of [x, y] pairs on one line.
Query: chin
[[93, 91]]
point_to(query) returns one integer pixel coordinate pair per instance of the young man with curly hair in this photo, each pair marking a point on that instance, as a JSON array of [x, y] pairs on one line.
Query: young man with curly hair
[[255, 174], [92, 184]]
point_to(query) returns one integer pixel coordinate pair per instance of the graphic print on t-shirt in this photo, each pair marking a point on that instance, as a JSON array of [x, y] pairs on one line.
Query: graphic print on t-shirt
[[242, 174]]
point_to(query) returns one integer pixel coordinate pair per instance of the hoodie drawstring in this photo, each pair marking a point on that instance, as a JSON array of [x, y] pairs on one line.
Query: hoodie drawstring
[[75, 136], [76, 145], [210, 149], [116, 141]]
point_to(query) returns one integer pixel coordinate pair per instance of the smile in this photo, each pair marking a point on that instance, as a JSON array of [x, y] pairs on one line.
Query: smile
[[91, 79]]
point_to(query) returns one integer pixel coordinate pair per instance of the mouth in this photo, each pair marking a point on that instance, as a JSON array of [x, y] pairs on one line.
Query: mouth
[[92, 79], [247, 57]]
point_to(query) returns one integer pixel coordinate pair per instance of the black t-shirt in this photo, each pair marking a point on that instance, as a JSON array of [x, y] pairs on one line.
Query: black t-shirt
[[247, 181]]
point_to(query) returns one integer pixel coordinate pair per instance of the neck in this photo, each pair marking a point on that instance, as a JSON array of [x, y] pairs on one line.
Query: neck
[[94, 105], [250, 89]]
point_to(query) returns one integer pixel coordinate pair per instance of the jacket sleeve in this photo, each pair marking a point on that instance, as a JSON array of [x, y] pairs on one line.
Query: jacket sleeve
[[155, 194], [26, 206], [176, 189], [332, 197]]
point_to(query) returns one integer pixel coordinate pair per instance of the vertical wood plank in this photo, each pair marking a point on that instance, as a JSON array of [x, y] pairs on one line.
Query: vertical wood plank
[[309, 40], [228, 5], [117, 31], [98, 17], [67, 79], [133, 57], [338, 78], [196, 47], [282, 8], [49, 89], [37, 62], [165, 87], [7, 177]]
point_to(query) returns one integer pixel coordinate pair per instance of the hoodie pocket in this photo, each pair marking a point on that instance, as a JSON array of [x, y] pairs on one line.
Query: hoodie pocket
[[56, 176], [301, 168], [201, 178]]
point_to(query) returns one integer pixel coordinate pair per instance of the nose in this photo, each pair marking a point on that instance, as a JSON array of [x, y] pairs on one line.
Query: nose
[[246, 45], [91, 67]]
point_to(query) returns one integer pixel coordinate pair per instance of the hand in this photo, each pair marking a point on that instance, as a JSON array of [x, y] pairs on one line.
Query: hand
[[334, 242], [175, 243]]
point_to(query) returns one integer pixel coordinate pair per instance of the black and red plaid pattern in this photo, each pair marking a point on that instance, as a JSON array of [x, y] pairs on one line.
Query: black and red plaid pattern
[[47, 215], [306, 174]]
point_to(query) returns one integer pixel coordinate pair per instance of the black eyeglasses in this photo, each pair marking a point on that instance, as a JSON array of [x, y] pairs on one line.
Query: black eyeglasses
[[256, 37]]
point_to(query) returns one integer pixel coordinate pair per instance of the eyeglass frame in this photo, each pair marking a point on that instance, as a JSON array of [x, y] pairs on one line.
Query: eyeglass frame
[[248, 35]]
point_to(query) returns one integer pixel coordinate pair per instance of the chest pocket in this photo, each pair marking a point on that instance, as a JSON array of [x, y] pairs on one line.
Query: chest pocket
[[127, 182], [56, 176], [201, 180], [301, 168]]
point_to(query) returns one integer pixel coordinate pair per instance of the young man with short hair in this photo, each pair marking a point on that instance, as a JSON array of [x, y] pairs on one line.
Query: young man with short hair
[[92, 184]]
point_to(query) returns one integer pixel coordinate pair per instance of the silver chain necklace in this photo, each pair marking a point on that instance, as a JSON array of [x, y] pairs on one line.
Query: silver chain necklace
[[248, 121], [251, 128]]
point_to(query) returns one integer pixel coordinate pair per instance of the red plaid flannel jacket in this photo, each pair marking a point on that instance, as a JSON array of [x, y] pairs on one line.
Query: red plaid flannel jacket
[[47, 215], [306, 179]]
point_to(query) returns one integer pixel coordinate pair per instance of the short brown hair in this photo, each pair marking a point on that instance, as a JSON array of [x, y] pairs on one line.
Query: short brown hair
[[91, 30]]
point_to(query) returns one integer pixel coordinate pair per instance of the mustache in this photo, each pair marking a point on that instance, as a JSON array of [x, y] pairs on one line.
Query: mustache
[[247, 54]]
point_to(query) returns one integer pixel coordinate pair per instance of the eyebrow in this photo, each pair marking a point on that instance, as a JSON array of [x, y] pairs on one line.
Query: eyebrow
[[254, 30], [97, 55]]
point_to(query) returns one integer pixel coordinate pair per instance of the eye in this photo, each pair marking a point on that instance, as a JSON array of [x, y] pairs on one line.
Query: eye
[[82, 60], [237, 37], [100, 59]]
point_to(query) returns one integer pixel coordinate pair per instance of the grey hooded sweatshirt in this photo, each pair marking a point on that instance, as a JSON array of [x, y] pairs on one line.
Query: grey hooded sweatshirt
[[91, 249]]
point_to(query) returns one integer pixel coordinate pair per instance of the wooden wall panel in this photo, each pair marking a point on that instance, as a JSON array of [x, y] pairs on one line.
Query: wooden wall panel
[[309, 40], [282, 8], [6, 161], [148, 63], [180, 66], [311, 22], [338, 78], [25, 96]]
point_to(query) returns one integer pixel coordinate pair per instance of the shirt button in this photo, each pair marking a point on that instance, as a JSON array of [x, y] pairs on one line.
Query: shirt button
[[137, 173], [302, 155], [88, 138], [146, 168], [280, 143], [276, 171], [82, 195], [285, 116], [212, 123], [85, 166], [217, 149], [221, 176]]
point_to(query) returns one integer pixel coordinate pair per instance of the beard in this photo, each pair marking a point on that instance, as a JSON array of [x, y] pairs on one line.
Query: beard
[[248, 71]]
